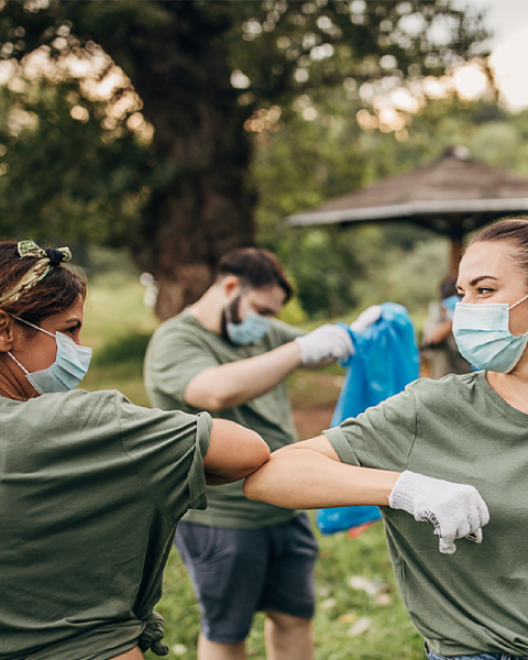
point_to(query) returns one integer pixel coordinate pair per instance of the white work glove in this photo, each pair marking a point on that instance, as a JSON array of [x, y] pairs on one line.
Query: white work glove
[[455, 510], [325, 341], [366, 318]]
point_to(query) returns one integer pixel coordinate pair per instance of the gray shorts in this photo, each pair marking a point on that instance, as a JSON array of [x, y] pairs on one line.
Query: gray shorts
[[236, 572]]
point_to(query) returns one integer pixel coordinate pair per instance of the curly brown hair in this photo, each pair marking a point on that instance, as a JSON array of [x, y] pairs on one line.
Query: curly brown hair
[[56, 292]]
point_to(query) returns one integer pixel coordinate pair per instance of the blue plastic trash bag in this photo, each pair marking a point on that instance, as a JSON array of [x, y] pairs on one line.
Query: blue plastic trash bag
[[385, 361]]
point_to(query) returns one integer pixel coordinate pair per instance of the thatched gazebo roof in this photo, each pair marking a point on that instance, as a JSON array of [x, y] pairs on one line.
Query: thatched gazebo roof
[[452, 196]]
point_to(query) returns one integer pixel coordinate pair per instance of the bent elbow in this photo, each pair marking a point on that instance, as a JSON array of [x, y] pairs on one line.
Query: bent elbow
[[218, 402]]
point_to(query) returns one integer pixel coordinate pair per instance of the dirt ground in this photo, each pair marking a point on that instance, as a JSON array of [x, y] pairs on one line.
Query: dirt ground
[[313, 396], [310, 423]]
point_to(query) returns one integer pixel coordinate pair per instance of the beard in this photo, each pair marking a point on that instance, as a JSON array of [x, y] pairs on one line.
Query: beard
[[234, 314]]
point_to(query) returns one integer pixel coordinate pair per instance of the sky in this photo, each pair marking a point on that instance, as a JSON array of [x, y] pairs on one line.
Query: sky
[[508, 19]]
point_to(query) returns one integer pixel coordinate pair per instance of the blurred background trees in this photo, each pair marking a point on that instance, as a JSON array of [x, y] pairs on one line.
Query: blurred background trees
[[180, 130]]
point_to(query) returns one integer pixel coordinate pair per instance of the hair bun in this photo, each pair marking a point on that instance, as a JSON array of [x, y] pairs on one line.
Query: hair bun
[[55, 256]]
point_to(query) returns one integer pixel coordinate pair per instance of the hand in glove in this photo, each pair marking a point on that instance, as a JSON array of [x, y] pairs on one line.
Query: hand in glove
[[325, 341], [455, 510], [366, 318]]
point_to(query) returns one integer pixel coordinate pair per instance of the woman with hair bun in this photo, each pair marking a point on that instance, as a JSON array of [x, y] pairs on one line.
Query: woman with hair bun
[[91, 486], [471, 428]]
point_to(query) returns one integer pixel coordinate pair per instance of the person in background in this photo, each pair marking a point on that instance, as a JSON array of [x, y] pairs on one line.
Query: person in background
[[439, 346], [91, 486], [229, 355], [470, 428]]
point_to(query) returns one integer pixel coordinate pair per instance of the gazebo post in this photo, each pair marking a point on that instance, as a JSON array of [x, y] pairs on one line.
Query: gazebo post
[[456, 235]]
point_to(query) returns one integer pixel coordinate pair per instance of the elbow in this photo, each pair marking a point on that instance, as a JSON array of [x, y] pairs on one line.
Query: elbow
[[211, 402], [257, 457], [216, 403]]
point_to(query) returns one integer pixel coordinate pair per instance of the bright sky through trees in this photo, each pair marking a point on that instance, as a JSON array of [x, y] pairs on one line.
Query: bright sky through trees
[[508, 19]]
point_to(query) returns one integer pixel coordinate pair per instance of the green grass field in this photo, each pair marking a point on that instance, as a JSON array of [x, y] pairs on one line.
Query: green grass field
[[349, 623]]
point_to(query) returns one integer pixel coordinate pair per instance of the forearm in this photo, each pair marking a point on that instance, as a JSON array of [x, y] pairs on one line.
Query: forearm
[[440, 333], [237, 382], [298, 478]]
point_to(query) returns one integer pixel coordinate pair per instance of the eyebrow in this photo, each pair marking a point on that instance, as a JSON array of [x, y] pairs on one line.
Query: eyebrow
[[476, 280], [77, 323]]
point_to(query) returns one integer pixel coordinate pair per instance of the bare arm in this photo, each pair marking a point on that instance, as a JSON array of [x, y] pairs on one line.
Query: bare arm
[[237, 382], [310, 475], [441, 332], [234, 453]]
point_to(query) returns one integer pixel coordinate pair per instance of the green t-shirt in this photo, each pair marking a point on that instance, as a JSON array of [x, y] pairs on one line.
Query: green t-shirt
[[458, 429], [180, 349], [91, 490]]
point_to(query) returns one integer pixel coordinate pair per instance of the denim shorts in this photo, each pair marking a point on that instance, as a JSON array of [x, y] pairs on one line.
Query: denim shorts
[[479, 656], [237, 572]]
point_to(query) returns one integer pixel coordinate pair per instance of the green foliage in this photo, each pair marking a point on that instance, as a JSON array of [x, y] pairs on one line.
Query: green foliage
[[408, 277], [308, 162], [323, 267], [292, 312], [53, 168], [93, 178], [128, 348]]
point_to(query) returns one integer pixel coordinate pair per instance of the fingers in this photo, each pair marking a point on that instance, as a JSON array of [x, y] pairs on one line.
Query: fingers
[[366, 318], [447, 546], [325, 341], [475, 536]]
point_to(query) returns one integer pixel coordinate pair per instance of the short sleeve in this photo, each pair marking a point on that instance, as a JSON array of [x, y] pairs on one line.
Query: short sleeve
[[382, 437], [167, 449], [174, 359]]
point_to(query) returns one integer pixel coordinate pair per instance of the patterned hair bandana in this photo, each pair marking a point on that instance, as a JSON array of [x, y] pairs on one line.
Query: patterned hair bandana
[[45, 260]]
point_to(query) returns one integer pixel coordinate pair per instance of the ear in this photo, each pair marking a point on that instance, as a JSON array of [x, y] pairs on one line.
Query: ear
[[6, 332], [230, 284]]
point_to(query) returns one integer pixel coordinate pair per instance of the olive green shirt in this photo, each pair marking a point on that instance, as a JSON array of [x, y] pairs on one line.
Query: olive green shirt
[[91, 489], [458, 429], [180, 349]]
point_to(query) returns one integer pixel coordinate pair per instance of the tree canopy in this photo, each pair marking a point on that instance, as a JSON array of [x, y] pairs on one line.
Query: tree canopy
[[134, 123]]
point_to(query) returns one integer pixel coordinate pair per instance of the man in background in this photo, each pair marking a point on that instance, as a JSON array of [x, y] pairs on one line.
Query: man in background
[[439, 347], [229, 355]]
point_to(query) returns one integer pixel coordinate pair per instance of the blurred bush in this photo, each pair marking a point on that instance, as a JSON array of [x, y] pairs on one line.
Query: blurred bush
[[130, 348]]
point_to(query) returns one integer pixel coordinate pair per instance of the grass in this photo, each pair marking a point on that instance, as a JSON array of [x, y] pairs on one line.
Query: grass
[[117, 326], [391, 635]]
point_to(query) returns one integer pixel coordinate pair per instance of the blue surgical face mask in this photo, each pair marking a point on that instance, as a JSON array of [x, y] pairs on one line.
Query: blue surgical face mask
[[70, 366], [483, 337], [448, 305], [251, 329]]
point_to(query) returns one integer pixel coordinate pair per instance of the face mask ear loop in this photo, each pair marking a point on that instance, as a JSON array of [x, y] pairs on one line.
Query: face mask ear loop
[[33, 325], [518, 302], [17, 362]]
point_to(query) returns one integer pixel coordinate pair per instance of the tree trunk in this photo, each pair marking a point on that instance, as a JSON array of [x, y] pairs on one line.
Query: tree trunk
[[202, 204]]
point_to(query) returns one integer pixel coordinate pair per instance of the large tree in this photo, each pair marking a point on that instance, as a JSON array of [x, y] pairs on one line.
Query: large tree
[[209, 75]]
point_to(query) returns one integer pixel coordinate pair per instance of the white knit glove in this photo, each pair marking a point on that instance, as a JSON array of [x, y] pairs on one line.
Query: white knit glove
[[325, 341], [366, 318], [455, 510]]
